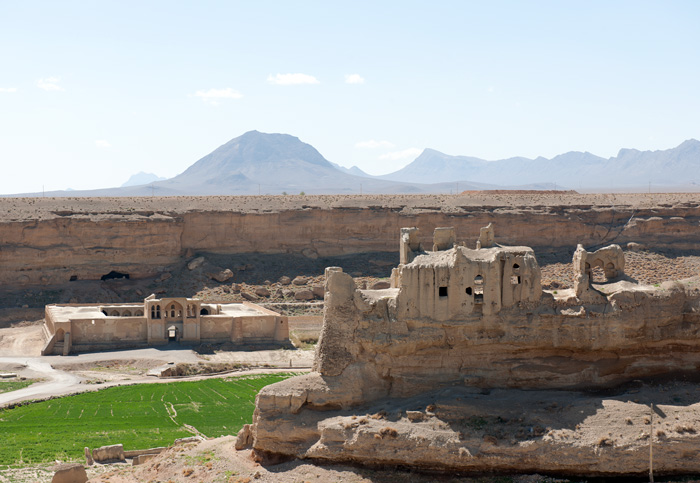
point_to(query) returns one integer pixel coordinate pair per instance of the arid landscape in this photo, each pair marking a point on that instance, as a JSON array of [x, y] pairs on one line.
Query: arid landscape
[[365, 242], [657, 232]]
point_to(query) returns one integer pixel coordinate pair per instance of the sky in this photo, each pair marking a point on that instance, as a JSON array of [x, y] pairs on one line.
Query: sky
[[92, 92]]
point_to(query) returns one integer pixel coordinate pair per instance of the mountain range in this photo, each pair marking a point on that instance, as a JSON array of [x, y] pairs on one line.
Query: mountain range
[[574, 170], [260, 163]]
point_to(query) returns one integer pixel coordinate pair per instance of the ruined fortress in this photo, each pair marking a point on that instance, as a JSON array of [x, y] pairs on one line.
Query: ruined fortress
[[459, 323], [83, 327]]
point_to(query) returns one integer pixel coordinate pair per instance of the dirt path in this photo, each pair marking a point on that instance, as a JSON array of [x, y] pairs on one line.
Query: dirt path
[[62, 375], [55, 382], [21, 341]]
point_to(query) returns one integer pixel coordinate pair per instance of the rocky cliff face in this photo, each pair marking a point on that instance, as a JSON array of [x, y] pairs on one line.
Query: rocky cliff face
[[47, 241], [405, 375]]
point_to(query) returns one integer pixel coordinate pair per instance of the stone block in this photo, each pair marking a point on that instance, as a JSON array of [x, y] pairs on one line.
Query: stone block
[[381, 285], [222, 276], [114, 452], [304, 295], [318, 291], [69, 473], [196, 263]]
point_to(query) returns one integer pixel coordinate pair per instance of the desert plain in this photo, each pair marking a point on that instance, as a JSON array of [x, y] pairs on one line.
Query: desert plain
[[262, 240]]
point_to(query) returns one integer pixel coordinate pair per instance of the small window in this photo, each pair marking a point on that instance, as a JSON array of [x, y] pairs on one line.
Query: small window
[[73, 278], [468, 290], [516, 267], [515, 280], [442, 291], [478, 288]]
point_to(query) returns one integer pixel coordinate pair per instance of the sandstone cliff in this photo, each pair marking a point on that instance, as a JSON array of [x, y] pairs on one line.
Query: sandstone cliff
[[458, 324], [46, 241]]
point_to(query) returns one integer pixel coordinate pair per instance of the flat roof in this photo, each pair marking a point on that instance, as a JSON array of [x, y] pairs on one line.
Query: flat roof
[[241, 310]]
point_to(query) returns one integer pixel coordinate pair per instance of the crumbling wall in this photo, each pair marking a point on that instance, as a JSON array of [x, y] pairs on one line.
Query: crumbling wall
[[407, 347], [611, 259], [461, 283]]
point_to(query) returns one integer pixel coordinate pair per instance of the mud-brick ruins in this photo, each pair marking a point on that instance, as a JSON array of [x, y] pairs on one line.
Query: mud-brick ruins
[[80, 328], [422, 374]]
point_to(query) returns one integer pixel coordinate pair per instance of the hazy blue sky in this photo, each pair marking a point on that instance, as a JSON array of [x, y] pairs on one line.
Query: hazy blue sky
[[94, 91]]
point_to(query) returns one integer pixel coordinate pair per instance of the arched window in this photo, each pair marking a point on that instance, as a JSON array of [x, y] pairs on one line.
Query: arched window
[[157, 311], [204, 311], [138, 313], [127, 313], [114, 313], [172, 311]]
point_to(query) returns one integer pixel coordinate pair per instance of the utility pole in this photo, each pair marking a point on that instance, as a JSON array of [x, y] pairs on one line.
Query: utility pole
[[651, 443]]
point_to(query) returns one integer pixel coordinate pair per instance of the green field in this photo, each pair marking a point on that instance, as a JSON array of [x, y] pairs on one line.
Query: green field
[[13, 385], [138, 416]]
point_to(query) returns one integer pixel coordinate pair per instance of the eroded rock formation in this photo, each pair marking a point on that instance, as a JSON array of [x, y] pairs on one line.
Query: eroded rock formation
[[459, 323], [49, 241]]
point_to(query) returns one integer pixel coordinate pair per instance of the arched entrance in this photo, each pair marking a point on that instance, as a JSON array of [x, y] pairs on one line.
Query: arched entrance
[[173, 334]]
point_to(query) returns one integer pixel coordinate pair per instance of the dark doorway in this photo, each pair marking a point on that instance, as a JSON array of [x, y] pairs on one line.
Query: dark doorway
[[112, 275]]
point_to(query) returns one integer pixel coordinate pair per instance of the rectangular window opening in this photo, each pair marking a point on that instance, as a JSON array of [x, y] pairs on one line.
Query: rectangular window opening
[[442, 291]]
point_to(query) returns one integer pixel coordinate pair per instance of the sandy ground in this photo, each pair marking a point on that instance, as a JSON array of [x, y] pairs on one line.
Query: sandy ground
[[17, 209], [217, 461]]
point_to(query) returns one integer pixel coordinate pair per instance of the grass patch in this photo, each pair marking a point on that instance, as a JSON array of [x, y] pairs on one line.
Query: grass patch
[[138, 416], [7, 386]]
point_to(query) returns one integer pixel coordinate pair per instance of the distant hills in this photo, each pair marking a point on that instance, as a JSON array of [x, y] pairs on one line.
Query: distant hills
[[574, 170], [260, 163], [141, 178]]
